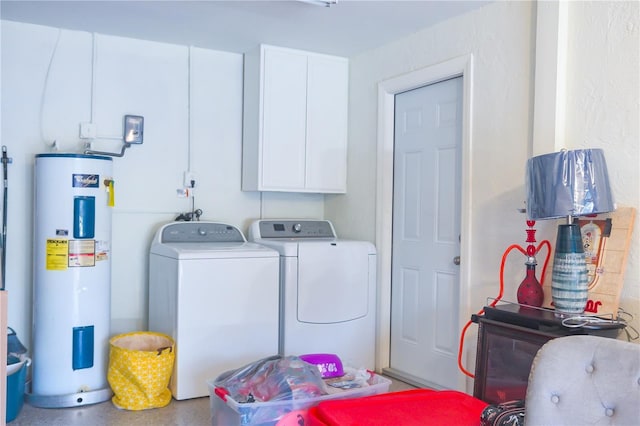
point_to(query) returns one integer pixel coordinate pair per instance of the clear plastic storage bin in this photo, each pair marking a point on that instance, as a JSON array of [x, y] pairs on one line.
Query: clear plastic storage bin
[[225, 411]]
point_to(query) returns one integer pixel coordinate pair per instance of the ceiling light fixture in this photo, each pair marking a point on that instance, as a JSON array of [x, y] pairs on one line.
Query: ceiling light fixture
[[324, 3]]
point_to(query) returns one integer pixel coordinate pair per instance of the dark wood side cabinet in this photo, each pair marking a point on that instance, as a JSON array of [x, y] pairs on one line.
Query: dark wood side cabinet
[[509, 337]]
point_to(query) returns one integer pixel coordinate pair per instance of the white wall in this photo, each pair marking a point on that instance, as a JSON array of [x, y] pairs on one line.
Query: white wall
[[191, 100], [152, 79], [500, 38], [603, 108], [602, 111]]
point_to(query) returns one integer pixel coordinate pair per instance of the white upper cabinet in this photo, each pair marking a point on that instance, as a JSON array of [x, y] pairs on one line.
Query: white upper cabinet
[[295, 121]]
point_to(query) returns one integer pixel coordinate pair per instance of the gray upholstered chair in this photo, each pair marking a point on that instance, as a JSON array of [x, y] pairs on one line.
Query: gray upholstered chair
[[584, 380]]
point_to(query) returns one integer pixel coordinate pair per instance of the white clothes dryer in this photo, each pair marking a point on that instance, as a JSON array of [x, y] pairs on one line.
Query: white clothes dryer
[[327, 290], [216, 295]]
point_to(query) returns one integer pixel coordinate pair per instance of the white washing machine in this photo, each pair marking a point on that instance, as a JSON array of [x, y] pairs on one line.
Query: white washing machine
[[217, 295], [327, 290]]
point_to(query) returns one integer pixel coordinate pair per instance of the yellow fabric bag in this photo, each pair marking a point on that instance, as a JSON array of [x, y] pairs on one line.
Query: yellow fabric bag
[[140, 367]]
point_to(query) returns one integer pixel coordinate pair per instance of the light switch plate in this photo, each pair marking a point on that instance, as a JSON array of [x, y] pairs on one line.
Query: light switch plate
[[133, 129]]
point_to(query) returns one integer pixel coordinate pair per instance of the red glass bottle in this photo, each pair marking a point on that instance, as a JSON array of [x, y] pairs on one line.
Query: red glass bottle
[[530, 291]]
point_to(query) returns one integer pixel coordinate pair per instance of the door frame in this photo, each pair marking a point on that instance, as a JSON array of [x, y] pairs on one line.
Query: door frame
[[387, 89]]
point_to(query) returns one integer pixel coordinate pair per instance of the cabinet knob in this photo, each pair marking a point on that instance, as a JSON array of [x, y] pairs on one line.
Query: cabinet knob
[[456, 260]]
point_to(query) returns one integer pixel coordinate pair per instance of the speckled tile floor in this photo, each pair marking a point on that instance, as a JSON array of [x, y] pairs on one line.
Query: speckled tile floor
[[192, 412]]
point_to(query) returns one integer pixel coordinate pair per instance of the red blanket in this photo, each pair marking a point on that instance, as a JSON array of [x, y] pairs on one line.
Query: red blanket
[[419, 407]]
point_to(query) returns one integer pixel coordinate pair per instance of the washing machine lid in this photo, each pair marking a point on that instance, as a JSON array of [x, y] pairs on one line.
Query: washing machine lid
[[184, 251], [205, 240]]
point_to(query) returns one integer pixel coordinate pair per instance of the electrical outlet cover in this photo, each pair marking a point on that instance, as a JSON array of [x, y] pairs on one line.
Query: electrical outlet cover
[[189, 180]]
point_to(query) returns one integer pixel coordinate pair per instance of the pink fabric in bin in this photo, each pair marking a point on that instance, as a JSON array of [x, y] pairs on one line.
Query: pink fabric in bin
[[419, 407]]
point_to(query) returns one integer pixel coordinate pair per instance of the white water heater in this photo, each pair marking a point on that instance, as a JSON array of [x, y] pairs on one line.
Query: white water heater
[[72, 279]]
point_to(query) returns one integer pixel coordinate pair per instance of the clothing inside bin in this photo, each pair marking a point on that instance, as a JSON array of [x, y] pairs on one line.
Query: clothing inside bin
[[273, 378], [227, 411], [280, 378]]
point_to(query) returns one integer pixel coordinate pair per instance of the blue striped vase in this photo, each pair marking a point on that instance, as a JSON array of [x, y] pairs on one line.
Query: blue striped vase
[[569, 279]]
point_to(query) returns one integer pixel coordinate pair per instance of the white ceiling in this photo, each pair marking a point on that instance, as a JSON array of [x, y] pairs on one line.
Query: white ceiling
[[346, 28]]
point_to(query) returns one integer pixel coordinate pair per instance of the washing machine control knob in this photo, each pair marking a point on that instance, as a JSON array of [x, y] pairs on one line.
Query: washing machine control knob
[[297, 228], [202, 231]]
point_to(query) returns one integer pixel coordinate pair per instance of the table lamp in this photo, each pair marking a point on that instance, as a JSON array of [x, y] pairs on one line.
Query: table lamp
[[568, 184]]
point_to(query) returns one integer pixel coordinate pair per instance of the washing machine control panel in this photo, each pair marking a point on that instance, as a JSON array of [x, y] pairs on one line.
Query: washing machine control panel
[[201, 232], [296, 229]]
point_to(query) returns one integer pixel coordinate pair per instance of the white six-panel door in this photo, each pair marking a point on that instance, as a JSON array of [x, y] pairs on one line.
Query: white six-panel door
[[426, 234]]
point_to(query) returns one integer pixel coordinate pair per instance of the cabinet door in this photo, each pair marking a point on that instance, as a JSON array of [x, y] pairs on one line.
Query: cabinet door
[[284, 120], [327, 102]]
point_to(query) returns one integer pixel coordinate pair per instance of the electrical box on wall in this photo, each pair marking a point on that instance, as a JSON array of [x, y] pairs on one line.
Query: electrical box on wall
[[133, 132], [189, 180], [133, 129], [88, 131]]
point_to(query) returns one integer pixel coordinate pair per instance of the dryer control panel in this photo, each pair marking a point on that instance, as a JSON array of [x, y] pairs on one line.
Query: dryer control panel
[[295, 229]]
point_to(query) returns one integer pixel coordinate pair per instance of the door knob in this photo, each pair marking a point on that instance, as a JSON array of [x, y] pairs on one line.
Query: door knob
[[456, 260]]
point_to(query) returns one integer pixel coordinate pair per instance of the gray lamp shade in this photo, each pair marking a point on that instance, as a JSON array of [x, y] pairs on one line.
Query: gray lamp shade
[[568, 183]]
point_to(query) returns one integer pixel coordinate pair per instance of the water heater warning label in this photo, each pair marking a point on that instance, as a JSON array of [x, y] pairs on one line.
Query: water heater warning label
[[57, 254], [82, 253], [102, 250]]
